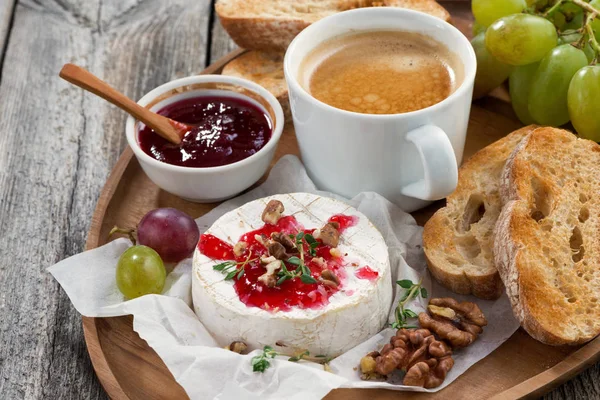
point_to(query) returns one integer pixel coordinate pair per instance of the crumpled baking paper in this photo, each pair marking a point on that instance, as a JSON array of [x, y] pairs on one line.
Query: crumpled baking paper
[[206, 371]]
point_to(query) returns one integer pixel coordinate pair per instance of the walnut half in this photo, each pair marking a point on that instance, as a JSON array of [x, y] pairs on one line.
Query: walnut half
[[458, 323]]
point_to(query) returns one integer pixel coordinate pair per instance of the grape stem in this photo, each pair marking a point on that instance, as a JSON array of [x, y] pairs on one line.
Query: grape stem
[[555, 7], [128, 232], [590, 31], [586, 6]]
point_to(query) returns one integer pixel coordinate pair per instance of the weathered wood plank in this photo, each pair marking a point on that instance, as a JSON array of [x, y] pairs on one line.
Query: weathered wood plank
[[584, 386], [57, 147], [6, 14], [221, 44]]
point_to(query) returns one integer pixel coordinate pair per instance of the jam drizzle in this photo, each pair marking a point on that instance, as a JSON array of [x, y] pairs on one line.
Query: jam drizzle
[[344, 221], [290, 293], [366, 273]]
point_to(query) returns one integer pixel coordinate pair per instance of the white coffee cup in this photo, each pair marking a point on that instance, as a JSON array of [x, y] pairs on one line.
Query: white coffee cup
[[410, 158]]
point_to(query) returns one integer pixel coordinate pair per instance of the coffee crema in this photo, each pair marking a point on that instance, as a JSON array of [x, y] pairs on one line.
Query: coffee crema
[[381, 72]]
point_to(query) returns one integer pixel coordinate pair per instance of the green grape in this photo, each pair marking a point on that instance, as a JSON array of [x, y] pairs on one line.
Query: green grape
[[490, 72], [520, 39], [572, 37], [571, 10], [140, 271], [575, 22], [550, 84], [559, 20], [583, 99], [478, 28], [488, 11], [519, 84]]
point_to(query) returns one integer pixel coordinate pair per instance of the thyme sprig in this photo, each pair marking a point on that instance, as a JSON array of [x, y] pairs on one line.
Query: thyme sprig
[[412, 291], [302, 270], [261, 362], [232, 268]]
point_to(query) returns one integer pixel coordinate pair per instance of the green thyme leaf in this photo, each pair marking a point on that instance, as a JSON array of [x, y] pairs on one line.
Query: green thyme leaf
[[294, 260], [300, 235], [310, 239], [231, 275], [240, 274], [409, 313], [423, 293], [307, 279], [260, 364], [281, 280], [405, 283], [223, 265]]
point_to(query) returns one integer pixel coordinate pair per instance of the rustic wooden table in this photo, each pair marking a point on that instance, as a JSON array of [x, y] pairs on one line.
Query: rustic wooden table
[[57, 147]]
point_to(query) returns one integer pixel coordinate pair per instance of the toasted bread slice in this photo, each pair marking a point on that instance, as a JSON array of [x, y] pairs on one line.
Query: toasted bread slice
[[458, 239], [270, 25], [266, 69], [547, 238]]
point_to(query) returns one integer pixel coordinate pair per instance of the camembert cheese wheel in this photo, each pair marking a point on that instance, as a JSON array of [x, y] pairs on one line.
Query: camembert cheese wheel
[[307, 308]]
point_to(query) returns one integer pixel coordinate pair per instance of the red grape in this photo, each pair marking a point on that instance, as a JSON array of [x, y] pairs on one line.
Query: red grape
[[171, 233]]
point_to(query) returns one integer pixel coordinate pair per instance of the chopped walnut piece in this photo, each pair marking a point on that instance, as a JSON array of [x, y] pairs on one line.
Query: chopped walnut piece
[[239, 248], [330, 234], [269, 278], [267, 260], [319, 261], [272, 212], [238, 347], [329, 278], [458, 323], [277, 250], [262, 239], [285, 240]]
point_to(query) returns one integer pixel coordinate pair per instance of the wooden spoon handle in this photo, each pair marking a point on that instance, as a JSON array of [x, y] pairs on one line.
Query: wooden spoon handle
[[165, 127]]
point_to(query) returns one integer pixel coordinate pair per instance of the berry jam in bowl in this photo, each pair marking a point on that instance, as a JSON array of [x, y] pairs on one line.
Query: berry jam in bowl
[[236, 127]]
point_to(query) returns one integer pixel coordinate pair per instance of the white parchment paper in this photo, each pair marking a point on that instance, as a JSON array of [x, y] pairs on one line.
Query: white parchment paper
[[206, 371]]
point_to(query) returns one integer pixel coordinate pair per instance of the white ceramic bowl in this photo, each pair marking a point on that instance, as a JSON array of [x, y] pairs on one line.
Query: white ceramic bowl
[[208, 184]]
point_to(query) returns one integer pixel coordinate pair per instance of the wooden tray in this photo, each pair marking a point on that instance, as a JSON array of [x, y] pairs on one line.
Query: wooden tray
[[129, 369]]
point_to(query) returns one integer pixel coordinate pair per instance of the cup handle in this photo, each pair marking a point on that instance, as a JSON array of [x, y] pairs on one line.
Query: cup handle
[[439, 164]]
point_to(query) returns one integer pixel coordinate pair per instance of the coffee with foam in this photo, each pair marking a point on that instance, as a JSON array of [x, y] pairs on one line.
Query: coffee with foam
[[381, 72]]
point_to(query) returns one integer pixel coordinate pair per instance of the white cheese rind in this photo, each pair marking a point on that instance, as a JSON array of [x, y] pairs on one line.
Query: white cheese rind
[[353, 314]]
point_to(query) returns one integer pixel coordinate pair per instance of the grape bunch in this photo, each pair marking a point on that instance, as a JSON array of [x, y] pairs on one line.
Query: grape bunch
[[165, 235], [549, 51]]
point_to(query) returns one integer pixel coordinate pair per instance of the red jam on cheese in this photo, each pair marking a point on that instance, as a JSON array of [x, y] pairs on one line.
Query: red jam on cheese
[[366, 273], [291, 293], [345, 221], [227, 130]]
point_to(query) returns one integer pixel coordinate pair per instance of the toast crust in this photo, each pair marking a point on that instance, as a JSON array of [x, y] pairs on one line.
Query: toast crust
[[458, 239], [265, 69], [271, 26], [546, 239]]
